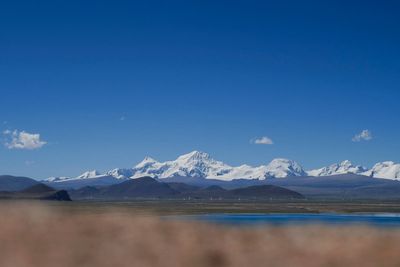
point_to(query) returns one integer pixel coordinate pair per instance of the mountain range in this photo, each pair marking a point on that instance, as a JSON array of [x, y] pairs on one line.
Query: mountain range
[[336, 187], [201, 165], [12, 187], [146, 187]]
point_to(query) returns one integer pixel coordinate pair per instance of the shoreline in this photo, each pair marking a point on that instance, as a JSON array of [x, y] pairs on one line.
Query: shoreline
[[173, 207]]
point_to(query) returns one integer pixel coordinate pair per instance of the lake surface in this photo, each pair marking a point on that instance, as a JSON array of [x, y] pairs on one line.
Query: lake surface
[[382, 220]]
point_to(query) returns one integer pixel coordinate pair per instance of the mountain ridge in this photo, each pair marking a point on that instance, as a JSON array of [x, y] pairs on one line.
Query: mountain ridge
[[150, 188], [201, 165]]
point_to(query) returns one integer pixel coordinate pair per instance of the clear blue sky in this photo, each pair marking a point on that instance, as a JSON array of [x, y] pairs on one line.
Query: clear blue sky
[[106, 83]]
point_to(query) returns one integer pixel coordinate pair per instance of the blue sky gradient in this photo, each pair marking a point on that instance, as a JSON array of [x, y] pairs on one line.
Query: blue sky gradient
[[106, 83]]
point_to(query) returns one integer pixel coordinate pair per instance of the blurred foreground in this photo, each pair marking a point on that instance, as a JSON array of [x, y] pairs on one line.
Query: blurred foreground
[[38, 235]]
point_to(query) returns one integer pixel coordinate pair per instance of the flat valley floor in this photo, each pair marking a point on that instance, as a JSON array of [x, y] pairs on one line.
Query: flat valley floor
[[133, 234], [184, 207]]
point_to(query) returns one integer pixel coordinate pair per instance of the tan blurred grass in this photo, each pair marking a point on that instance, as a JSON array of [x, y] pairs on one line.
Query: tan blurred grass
[[32, 235]]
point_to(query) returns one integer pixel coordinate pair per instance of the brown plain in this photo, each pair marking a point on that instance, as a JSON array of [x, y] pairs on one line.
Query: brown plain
[[43, 236]]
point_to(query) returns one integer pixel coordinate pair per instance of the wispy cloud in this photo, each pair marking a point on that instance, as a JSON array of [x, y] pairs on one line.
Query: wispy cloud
[[264, 140], [29, 162], [23, 140], [365, 135]]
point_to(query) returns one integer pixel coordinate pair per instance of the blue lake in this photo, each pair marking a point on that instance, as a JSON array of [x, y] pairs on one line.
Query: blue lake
[[381, 220]]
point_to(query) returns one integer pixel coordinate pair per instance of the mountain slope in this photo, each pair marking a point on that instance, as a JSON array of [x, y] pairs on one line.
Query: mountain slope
[[37, 192], [345, 186], [149, 188], [141, 187], [386, 170], [336, 169], [74, 183], [145, 187], [281, 168], [266, 191], [13, 183]]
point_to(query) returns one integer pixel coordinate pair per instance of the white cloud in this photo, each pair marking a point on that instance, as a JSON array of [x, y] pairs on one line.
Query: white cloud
[[264, 140], [365, 135], [29, 162], [23, 140]]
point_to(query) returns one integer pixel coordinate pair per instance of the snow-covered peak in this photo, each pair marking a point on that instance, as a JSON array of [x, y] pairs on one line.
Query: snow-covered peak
[[86, 175], [344, 167], [386, 170], [346, 163], [89, 174], [194, 164], [280, 168], [198, 164], [201, 165], [146, 162], [194, 156], [56, 179], [121, 173]]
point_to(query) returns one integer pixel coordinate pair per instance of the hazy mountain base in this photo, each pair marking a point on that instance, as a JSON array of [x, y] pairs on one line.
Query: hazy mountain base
[[13, 183], [147, 187], [36, 192], [38, 236], [346, 186], [342, 187]]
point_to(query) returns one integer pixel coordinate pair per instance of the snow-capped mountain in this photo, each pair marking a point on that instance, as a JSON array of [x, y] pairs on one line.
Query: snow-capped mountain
[[121, 173], [195, 164], [200, 165], [86, 175], [386, 170], [89, 175], [56, 179], [336, 169], [281, 168]]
